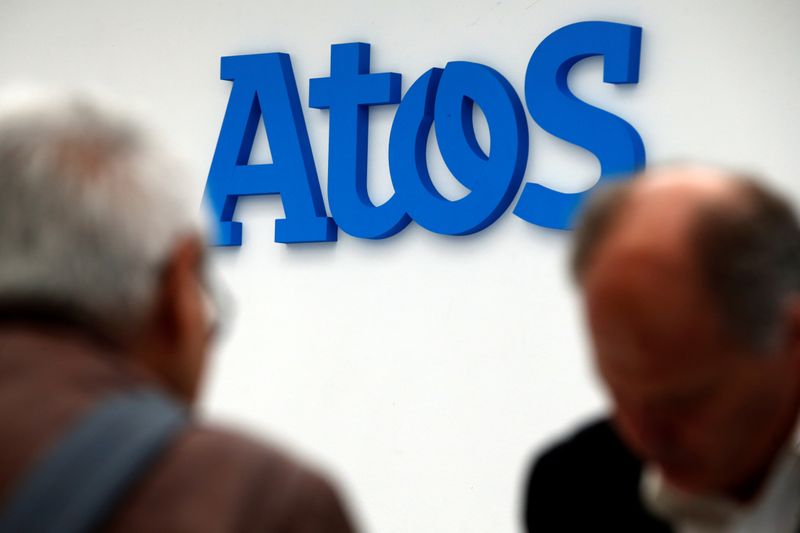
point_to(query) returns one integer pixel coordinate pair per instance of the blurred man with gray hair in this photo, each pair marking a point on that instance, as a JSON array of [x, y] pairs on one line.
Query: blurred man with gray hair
[[105, 321], [691, 284]]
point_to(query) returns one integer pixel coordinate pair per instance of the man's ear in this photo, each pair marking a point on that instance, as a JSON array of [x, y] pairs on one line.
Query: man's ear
[[179, 302], [174, 340], [793, 329]]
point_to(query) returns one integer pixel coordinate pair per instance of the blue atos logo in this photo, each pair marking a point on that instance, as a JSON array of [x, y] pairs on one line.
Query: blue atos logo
[[264, 86]]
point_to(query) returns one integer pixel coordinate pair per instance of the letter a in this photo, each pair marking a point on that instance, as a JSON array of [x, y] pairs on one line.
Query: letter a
[[264, 86]]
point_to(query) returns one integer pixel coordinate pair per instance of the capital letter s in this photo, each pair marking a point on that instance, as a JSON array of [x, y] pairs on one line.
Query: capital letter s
[[552, 105]]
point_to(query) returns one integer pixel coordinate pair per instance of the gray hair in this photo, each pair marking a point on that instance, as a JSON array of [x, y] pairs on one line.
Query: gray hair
[[748, 253], [89, 208]]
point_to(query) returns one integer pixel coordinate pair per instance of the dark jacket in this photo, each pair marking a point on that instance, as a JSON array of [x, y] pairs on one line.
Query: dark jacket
[[208, 480], [589, 482]]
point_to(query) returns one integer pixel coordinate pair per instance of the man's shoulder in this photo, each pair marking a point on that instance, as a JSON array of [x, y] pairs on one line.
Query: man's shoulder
[[231, 448], [217, 479], [264, 463], [590, 477], [594, 447]]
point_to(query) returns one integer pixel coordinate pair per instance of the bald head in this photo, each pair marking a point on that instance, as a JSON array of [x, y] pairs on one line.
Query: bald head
[[723, 232], [689, 277]]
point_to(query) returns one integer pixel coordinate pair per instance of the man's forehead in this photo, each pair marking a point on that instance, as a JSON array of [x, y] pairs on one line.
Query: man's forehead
[[644, 262], [647, 299], [652, 326], [647, 303]]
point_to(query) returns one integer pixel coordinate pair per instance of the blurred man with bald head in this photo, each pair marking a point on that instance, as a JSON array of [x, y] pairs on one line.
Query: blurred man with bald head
[[691, 283]]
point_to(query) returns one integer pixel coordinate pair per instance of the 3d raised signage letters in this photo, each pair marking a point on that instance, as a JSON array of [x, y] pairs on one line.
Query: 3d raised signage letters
[[264, 87]]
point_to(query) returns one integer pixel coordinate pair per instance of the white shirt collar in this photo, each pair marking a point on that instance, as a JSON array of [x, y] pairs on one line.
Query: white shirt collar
[[778, 504]]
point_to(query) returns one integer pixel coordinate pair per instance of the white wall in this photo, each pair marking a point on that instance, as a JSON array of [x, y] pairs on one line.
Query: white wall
[[422, 371]]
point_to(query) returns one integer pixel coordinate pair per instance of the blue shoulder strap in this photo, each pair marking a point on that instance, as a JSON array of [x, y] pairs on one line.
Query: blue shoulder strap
[[78, 482]]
